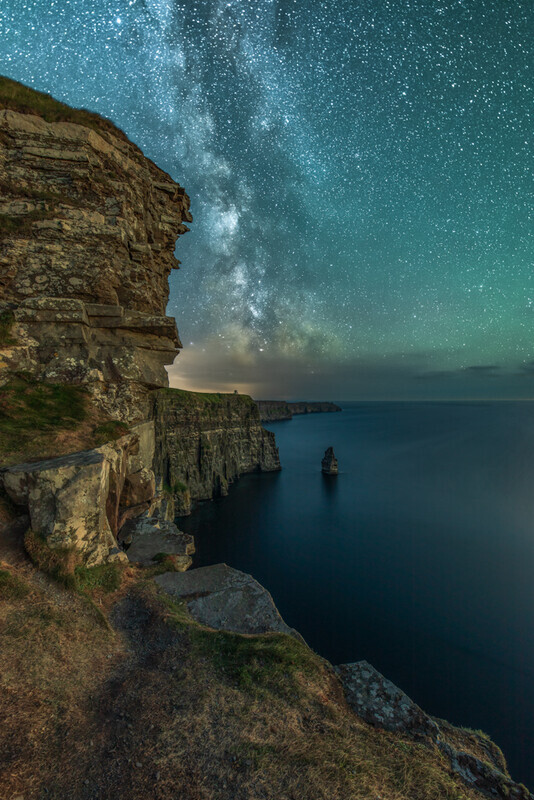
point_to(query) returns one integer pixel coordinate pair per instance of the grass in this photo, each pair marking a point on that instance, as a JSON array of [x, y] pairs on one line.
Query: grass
[[22, 223], [194, 398], [18, 97], [167, 708], [476, 742], [205, 398], [28, 406], [178, 487], [109, 431], [60, 564], [12, 587], [257, 663], [63, 566], [163, 562], [260, 664], [53, 656], [105, 577], [44, 420]]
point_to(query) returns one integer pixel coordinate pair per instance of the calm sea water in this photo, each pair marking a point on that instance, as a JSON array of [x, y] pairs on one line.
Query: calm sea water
[[418, 557]]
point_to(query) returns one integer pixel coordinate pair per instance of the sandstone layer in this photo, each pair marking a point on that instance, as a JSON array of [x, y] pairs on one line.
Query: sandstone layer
[[89, 227]]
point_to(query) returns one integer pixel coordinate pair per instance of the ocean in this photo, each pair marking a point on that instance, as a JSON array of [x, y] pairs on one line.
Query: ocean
[[418, 556]]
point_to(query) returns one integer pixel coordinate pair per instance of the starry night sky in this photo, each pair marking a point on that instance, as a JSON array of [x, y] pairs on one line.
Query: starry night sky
[[361, 178]]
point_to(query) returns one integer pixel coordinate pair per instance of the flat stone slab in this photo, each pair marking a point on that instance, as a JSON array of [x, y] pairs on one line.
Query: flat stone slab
[[150, 536], [226, 599], [381, 703]]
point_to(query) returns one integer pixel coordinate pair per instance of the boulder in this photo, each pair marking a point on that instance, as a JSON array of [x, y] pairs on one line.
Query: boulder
[[66, 499], [381, 703], [148, 537], [226, 599], [77, 501]]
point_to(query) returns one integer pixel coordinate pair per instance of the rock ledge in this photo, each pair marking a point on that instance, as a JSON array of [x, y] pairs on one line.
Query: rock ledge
[[225, 598]]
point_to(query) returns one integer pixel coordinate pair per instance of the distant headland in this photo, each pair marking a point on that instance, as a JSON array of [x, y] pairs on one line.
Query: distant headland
[[274, 410]]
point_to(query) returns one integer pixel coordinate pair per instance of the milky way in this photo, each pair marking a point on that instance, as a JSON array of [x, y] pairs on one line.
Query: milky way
[[360, 173]]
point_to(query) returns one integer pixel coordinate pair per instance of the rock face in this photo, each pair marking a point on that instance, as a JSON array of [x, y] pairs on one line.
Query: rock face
[[204, 442], [382, 704], [226, 599], [147, 538], [329, 463], [82, 500], [90, 228], [274, 410]]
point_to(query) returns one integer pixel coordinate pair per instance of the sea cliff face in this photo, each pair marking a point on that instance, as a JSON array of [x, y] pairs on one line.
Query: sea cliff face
[[205, 441]]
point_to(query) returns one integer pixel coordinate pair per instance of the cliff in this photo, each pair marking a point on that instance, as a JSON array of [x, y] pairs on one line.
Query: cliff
[[190, 685], [274, 410], [89, 226], [205, 441]]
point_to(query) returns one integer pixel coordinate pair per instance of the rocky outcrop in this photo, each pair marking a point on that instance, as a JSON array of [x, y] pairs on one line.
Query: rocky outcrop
[[82, 500], [89, 230], [226, 599], [274, 410], [382, 704], [148, 539], [329, 465], [205, 441]]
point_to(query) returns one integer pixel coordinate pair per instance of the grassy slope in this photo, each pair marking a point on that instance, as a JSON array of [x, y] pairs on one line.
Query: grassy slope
[[158, 706], [44, 420]]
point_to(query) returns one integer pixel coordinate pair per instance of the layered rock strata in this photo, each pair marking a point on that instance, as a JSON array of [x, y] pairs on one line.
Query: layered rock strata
[[205, 441], [89, 230]]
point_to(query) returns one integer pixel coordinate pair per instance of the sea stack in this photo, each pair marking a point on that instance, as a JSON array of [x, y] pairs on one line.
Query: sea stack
[[329, 462]]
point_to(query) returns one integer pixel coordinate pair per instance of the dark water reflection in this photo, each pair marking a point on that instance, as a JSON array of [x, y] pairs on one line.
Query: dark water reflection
[[418, 557]]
